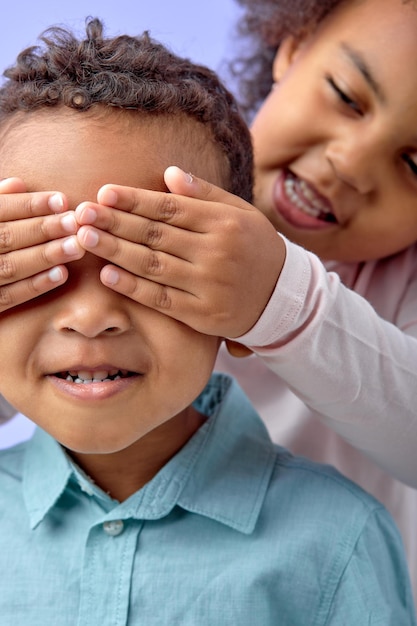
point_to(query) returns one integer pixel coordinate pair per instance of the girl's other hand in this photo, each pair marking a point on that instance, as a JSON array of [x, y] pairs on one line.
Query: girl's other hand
[[198, 254], [37, 235]]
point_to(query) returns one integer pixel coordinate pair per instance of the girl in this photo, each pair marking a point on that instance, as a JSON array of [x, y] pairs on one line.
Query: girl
[[336, 290]]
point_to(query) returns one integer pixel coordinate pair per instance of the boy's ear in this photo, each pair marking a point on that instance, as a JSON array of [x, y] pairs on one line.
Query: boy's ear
[[237, 349], [286, 55]]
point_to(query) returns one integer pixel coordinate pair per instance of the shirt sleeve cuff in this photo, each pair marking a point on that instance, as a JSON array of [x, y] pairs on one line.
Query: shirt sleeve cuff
[[286, 302]]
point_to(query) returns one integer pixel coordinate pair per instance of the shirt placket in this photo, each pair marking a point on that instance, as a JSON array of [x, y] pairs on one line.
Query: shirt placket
[[107, 572]]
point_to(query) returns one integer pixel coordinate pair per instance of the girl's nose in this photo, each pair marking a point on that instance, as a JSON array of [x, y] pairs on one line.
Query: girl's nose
[[355, 161], [91, 309]]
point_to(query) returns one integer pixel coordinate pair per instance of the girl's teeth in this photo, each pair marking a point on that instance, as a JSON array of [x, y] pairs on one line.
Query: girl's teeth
[[304, 198]]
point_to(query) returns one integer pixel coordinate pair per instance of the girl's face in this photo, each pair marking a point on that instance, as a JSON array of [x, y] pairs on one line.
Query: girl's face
[[336, 140]]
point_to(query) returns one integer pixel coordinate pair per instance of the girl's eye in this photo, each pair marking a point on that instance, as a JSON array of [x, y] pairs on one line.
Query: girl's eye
[[411, 163], [343, 96]]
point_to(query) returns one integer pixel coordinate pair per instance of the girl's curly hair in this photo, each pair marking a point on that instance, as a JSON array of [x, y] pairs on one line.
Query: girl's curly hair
[[262, 27], [128, 72]]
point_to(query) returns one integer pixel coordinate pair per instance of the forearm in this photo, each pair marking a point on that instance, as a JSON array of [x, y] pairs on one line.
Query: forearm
[[356, 370]]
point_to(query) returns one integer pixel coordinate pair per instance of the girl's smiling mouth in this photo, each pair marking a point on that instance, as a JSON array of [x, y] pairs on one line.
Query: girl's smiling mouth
[[300, 204]]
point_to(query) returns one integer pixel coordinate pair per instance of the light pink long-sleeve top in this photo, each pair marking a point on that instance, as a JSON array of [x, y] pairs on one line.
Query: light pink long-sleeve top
[[344, 338]]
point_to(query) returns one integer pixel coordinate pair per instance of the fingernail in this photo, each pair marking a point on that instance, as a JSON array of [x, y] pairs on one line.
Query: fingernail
[[69, 223], [56, 203], [110, 276], [107, 197], [188, 177], [87, 215], [70, 246], [55, 275], [90, 237]]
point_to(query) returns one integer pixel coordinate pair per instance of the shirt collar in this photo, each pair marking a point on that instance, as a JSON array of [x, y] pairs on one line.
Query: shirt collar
[[47, 470], [229, 480], [221, 473]]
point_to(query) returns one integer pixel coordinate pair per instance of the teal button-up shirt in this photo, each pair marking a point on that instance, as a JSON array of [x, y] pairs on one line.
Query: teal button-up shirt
[[232, 531]]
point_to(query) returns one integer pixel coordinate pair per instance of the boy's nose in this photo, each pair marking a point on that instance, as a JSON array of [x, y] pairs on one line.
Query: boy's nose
[[91, 309]]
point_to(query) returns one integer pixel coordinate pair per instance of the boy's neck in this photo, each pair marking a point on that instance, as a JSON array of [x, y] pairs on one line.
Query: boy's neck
[[121, 474]]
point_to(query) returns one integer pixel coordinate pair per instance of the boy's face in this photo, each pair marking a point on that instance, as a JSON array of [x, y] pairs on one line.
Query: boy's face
[[149, 367], [336, 140]]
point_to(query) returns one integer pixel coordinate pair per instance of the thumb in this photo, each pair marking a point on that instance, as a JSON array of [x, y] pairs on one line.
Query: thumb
[[186, 184]]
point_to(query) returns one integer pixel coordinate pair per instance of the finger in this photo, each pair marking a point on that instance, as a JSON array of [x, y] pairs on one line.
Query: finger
[[138, 259], [125, 225], [12, 185], [156, 296], [156, 205], [21, 264], [187, 211], [16, 206], [180, 305], [133, 228], [25, 290], [186, 184], [23, 233]]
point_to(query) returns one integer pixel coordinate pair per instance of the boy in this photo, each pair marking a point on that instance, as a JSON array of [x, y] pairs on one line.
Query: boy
[[151, 493]]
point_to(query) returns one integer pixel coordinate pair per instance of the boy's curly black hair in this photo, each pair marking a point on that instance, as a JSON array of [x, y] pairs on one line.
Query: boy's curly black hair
[[135, 73]]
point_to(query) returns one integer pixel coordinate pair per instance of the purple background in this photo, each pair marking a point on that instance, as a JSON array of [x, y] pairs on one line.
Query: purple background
[[202, 31]]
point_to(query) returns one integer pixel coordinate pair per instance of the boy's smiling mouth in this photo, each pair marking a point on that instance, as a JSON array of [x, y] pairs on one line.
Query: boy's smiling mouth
[[300, 204], [88, 383], [85, 376]]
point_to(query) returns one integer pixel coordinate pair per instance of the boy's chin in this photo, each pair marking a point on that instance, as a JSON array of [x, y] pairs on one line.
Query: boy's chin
[[100, 448]]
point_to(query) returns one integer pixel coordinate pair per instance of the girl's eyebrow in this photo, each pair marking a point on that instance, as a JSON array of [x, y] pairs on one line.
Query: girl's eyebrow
[[362, 65]]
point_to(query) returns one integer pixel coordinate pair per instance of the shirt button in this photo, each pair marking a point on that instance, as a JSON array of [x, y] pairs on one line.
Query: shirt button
[[87, 489], [113, 528]]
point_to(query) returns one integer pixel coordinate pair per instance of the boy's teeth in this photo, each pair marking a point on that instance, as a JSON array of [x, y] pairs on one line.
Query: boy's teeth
[[85, 376]]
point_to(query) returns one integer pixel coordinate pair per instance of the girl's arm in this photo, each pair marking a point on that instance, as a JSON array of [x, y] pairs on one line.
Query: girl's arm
[[357, 371]]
